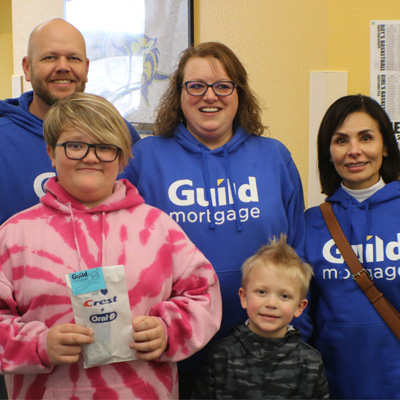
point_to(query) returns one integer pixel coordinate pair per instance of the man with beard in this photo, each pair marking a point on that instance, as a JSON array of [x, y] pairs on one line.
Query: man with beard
[[56, 66]]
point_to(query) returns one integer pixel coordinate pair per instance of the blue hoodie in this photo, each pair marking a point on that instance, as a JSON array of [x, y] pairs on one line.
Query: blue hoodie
[[24, 163], [255, 192], [361, 354]]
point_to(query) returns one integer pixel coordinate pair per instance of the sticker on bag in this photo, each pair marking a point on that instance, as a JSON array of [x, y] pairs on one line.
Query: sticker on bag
[[100, 302]]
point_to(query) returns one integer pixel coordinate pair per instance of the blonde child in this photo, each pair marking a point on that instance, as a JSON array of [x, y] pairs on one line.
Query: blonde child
[[265, 357]]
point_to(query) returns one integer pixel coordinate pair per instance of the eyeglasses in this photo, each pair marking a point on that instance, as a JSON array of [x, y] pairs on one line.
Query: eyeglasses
[[198, 88], [79, 150]]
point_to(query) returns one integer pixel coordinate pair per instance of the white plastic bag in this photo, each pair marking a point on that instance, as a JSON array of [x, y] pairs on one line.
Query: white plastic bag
[[106, 311]]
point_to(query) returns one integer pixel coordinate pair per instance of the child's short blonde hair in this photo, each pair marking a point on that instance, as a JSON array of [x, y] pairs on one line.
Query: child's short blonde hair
[[282, 256], [92, 115]]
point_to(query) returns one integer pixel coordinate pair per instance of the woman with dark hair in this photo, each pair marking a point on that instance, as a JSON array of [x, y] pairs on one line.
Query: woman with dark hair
[[208, 167], [359, 166]]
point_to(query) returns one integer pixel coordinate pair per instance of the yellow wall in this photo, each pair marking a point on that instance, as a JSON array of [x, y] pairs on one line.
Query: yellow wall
[[282, 41], [349, 26], [6, 53]]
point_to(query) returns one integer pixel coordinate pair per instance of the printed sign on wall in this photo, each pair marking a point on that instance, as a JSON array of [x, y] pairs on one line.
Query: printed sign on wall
[[385, 68]]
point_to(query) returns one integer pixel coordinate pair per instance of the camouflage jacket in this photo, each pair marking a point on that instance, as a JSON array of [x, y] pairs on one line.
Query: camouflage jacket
[[246, 366]]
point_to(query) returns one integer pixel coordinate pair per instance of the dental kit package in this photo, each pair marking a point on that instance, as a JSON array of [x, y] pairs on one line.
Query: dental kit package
[[100, 301]]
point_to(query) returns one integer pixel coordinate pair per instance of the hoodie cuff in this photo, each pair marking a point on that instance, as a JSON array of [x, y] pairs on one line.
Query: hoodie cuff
[[42, 350]]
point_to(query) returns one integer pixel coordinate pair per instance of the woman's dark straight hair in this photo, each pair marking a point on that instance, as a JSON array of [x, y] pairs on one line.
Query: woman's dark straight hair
[[334, 119]]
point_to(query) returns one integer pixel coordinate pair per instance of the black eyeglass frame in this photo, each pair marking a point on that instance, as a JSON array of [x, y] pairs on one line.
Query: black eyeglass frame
[[185, 84], [90, 146]]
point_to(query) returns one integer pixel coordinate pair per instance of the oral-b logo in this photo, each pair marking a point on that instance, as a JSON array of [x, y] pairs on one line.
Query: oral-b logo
[[101, 318], [181, 193]]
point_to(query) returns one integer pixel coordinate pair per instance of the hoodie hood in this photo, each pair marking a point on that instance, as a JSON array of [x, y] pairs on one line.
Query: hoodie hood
[[191, 144], [17, 111], [125, 195], [357, 214], [265, 348]]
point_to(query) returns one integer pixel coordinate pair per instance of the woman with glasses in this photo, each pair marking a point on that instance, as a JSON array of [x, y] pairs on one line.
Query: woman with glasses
[[87, 220], [208, 167]]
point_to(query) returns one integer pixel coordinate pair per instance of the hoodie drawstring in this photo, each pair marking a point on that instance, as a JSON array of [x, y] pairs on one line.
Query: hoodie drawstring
[[103, 239], [81, 266], [208, 187], [230, 187]]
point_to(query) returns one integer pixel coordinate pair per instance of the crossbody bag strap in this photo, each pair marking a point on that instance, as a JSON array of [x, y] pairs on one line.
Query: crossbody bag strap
[[388, 313]]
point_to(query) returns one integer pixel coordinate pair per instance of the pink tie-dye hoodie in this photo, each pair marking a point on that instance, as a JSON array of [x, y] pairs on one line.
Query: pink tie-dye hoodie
[[167, 277]]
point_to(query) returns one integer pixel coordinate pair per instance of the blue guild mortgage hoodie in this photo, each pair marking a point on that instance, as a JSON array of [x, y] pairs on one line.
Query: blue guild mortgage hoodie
[[361, 354], [229, 200], [24, 162]]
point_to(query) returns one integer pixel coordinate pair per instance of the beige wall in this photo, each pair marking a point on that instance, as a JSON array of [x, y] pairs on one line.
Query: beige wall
[[26, 15], [282, 41], [279, 41], [349, 22]]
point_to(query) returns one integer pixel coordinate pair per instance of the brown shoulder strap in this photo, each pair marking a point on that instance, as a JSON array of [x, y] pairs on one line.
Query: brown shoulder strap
[[388, 313]]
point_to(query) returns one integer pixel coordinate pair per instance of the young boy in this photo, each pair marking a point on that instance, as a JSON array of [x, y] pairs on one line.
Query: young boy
[[265, 357]]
